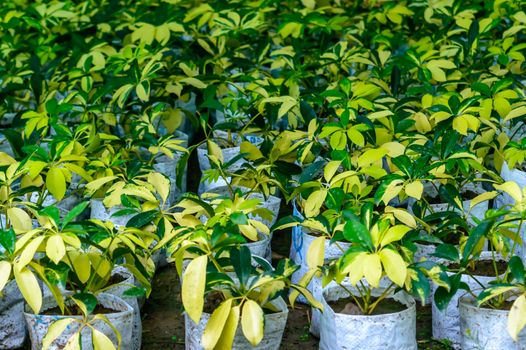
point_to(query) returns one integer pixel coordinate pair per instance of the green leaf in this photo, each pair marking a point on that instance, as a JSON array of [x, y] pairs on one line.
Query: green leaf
[[76, 211], [517, 269], [354, 231], [474, 237], [239, 218], [241, 261], [142, 219], [135, 292], [447, 251], [52, 212], [8, 239], [88, 300]]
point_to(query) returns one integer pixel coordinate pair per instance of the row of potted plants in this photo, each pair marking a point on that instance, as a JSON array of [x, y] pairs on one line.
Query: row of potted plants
[[393, 130]]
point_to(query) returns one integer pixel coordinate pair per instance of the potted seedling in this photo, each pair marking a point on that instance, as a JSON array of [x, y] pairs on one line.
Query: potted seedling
[[75, 262], [363, 308], [250, 313], [492, 315]]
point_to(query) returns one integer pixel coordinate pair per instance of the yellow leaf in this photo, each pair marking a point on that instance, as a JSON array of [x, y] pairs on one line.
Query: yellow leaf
[[316, 253], [6, 159], [517, 317], [56, 183], [502, 106], [355, 269], [437, 73], [215, 150], [372, 269], [28, 252], [28, 285], [330, 169], [414, 189], [394, 149], [193, 287], [402, 215], [141, 92], [394, 234], [392, 190], [55, 248], [356, 137], [20, 220], [253, 152], [35, 168], [101, 341], [517, 112], [395, 267], [338, 140], [194, 82], [379, 115], [286, 107], [461, 125], [486, 196], [249, 231], [229, 330], [98, 183], [160, 183], [427, 101], [511, 188], [82, 266], [73, 342], [55, 330], [216, 323], [371, 156], [314, 203], [252, 322], [5, 273]]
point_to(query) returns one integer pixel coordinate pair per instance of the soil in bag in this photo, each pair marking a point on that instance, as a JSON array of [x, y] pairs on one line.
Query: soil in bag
[[349, 307]]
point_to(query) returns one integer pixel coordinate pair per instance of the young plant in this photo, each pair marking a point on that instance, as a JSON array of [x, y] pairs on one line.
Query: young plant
[[377, 254]]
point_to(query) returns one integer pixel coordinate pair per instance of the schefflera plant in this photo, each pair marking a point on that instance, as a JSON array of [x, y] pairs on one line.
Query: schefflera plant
[[507, 289], [220, 263], [377, 258], [78, 257]]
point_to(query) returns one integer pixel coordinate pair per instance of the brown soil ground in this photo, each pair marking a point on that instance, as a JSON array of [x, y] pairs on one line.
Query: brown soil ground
[[163, 322]]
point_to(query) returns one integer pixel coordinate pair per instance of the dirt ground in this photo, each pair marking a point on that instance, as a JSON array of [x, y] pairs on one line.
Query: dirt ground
[[163, 323]]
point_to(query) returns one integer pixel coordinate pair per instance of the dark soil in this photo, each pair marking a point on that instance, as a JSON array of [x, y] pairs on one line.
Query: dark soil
[[115, 279], [73, 310], [484, 268], [349, 307]]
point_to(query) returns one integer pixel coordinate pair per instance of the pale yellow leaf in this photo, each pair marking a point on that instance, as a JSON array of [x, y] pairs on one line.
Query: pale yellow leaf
[[395, 267], [214, 328], [193, 287], [252, 322]]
